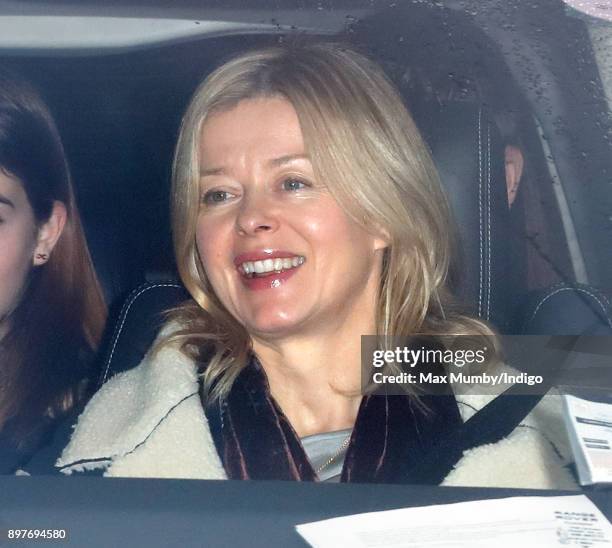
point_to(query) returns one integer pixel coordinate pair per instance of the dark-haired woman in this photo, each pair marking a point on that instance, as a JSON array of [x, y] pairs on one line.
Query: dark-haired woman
[[51, 307]]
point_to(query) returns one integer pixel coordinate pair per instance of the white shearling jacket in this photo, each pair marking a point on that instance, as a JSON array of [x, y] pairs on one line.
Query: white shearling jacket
[[149, 422]]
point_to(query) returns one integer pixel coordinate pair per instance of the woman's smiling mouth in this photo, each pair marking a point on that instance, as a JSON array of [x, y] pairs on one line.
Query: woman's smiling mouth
[[268, 269]]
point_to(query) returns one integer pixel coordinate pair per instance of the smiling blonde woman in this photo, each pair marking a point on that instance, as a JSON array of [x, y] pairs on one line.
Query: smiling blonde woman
[[306, 213]]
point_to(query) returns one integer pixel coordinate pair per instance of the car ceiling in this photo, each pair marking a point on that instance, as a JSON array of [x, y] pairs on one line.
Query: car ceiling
[[91, 28]]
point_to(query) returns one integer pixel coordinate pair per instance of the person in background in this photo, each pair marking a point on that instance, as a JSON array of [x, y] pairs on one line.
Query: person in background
[[52, 311], [435, 56]]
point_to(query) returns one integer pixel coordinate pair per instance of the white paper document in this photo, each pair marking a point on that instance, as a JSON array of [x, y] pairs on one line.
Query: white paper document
[[526, 522], [589, 427]]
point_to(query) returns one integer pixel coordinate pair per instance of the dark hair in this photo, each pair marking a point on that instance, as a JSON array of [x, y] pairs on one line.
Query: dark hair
[[59, 320]]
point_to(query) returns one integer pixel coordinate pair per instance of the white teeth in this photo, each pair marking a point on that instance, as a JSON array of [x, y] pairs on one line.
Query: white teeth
[[250, 268]]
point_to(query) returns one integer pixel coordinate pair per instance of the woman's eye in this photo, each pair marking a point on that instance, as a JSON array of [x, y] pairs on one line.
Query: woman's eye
[[213, 197], [294, 184]]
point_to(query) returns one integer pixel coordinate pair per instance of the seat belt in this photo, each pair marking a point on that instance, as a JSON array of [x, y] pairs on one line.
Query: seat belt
[[492, 423]]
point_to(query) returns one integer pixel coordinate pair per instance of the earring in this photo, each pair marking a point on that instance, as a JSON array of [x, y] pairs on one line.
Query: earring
[[42, 256]]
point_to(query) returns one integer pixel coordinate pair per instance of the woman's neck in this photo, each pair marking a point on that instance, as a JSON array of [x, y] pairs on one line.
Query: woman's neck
[[316, 378]]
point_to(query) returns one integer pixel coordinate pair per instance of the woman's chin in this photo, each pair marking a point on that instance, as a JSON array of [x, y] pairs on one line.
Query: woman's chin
[[274, 325]]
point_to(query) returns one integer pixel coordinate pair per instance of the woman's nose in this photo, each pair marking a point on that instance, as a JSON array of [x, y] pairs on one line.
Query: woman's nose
[[256, 215]]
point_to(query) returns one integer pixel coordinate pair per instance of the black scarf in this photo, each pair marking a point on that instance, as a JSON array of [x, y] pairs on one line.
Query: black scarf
[[393, 436]]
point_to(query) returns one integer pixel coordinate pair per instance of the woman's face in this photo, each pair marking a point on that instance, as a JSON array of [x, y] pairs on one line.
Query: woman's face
[[18, 241], [280, 253], [24, 243]]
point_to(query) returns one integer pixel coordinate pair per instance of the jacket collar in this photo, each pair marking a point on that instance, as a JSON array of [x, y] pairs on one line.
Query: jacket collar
[[121, 418], [128, 408]]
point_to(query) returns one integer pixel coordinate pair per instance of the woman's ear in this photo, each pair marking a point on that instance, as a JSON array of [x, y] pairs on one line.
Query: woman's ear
[[379, 235], [514, 171], [49, 233], [382, 239]]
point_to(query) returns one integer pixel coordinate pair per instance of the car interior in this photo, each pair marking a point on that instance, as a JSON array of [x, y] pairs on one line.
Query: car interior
[[538, 267], [478, 77]]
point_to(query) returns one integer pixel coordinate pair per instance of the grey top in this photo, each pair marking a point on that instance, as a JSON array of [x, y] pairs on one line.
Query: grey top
[[320, 448]]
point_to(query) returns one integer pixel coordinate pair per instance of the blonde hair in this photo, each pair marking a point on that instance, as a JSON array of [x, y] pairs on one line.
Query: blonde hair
[[353, 122]]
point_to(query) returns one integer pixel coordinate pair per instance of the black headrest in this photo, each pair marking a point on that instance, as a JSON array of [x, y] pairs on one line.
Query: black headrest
[[469, 155], [567, 309], [139, 321]]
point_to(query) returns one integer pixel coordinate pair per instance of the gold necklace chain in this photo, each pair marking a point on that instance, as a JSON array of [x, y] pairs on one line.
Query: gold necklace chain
[[335, 455]]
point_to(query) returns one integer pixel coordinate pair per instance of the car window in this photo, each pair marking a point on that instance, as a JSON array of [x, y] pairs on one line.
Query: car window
[[513, 99], [119, 108]]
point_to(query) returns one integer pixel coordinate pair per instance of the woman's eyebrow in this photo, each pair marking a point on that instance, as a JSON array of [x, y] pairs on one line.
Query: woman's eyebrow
[[276, 162], [212, 171], [4, 200]]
